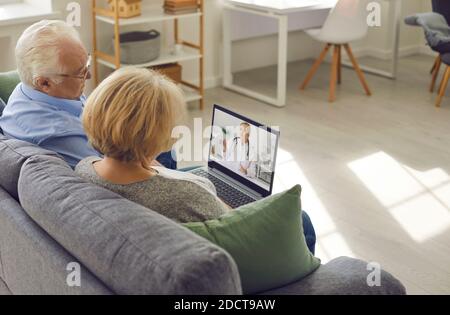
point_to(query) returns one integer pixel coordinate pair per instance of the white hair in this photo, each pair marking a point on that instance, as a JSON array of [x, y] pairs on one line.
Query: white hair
[[38, 50]]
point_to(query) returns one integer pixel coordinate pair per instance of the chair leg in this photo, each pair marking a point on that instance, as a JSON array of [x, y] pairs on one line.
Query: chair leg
[[357, 69], [315, 66], [334, 73], [440, 85], [339, 64], [436, 68], [435, 64], [443, 86]]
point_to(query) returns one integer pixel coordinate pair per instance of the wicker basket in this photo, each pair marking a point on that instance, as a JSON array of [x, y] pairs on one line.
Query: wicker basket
[[139, 47]]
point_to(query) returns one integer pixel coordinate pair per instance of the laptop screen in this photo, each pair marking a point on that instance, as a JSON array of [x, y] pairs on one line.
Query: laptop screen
[[244, 149]]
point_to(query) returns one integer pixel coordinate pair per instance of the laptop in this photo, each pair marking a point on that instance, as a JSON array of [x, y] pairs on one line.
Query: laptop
[[242, 157]]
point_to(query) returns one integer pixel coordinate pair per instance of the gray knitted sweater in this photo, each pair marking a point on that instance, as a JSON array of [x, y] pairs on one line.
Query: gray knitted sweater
[[182, 197]]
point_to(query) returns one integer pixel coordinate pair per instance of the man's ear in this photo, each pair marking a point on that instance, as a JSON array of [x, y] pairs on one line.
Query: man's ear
[[43, 84]]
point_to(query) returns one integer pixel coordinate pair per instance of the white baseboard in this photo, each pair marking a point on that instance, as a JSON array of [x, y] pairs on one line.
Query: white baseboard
[[212, 82], [387, 54], [425, 50]]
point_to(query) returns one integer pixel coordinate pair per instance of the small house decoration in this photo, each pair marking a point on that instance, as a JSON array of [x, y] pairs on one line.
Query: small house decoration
[[127, 8]]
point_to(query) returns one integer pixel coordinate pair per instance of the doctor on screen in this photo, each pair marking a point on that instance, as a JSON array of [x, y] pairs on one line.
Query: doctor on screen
[[241, 154]]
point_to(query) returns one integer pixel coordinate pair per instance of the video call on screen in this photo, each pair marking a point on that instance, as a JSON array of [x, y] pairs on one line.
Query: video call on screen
[[243, 148]]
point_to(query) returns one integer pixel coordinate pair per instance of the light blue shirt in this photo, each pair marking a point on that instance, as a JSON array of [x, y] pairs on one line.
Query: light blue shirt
[[49, 122]]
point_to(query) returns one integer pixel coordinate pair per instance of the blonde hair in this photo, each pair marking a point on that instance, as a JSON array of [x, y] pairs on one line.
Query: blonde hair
[[131, 114]]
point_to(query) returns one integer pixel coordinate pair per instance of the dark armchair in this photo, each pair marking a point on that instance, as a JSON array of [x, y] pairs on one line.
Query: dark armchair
[[442, 7], [437, 34]]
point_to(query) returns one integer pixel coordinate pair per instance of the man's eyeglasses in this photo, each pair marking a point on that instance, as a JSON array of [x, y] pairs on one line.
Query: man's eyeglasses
[[83, 75]]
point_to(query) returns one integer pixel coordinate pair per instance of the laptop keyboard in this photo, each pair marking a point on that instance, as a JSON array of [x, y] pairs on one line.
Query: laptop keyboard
[[230, 195]]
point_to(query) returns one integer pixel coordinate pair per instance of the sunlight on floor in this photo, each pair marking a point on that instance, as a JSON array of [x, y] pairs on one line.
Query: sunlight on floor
[[330, 243], [419, 201]]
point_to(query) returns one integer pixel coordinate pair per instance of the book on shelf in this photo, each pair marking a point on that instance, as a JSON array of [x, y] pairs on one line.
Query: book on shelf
[[181, 2], [180, 6], [181, 11]]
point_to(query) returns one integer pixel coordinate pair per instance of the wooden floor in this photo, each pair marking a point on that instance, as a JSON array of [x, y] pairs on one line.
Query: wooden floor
[[375, 171]]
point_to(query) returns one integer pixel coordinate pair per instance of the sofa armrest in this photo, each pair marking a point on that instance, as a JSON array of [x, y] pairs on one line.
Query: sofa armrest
[[131, 249], [342, 276], [3, 288]]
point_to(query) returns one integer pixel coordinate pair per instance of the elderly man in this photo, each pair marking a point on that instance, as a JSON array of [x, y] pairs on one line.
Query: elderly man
[[45, 108]]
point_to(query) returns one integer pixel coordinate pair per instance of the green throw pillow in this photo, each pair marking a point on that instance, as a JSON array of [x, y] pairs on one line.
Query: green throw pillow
[[8, 82], [266, 241]]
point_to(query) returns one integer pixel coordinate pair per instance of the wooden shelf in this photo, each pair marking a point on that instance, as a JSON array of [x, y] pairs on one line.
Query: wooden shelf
[[165, 58], [149, 15]]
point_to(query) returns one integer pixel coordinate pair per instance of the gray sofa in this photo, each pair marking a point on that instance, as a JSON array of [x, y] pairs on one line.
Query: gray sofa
[[50, 218]]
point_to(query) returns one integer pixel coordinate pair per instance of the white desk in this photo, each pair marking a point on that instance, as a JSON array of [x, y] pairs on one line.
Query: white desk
[[280, 11]]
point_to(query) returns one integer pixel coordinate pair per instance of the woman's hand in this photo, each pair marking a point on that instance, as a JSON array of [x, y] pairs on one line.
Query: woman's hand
[[226, 205]]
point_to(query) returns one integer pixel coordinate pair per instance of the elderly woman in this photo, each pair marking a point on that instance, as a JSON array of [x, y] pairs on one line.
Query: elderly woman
[[45, 108], [129, 118]]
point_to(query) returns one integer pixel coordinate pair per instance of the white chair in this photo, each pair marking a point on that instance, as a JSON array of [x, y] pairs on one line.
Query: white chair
[[347, 22]]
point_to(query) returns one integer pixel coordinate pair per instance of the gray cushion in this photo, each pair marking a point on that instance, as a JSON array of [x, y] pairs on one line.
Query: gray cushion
[[442, 7], [133, 250], [13, 153], [32, 262], [437, 31], [3, 288], [2, 107], [2, 274], [343, 276]]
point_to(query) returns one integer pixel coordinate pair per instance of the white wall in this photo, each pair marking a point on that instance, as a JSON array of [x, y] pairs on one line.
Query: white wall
[[247, 53], [7, 44], [379, 41]]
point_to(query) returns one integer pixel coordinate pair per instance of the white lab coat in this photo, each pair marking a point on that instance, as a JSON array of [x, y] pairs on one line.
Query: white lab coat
[[242, 154]]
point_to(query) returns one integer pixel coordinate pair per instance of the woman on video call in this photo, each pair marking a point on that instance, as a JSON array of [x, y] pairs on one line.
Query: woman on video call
[[241, 153]]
